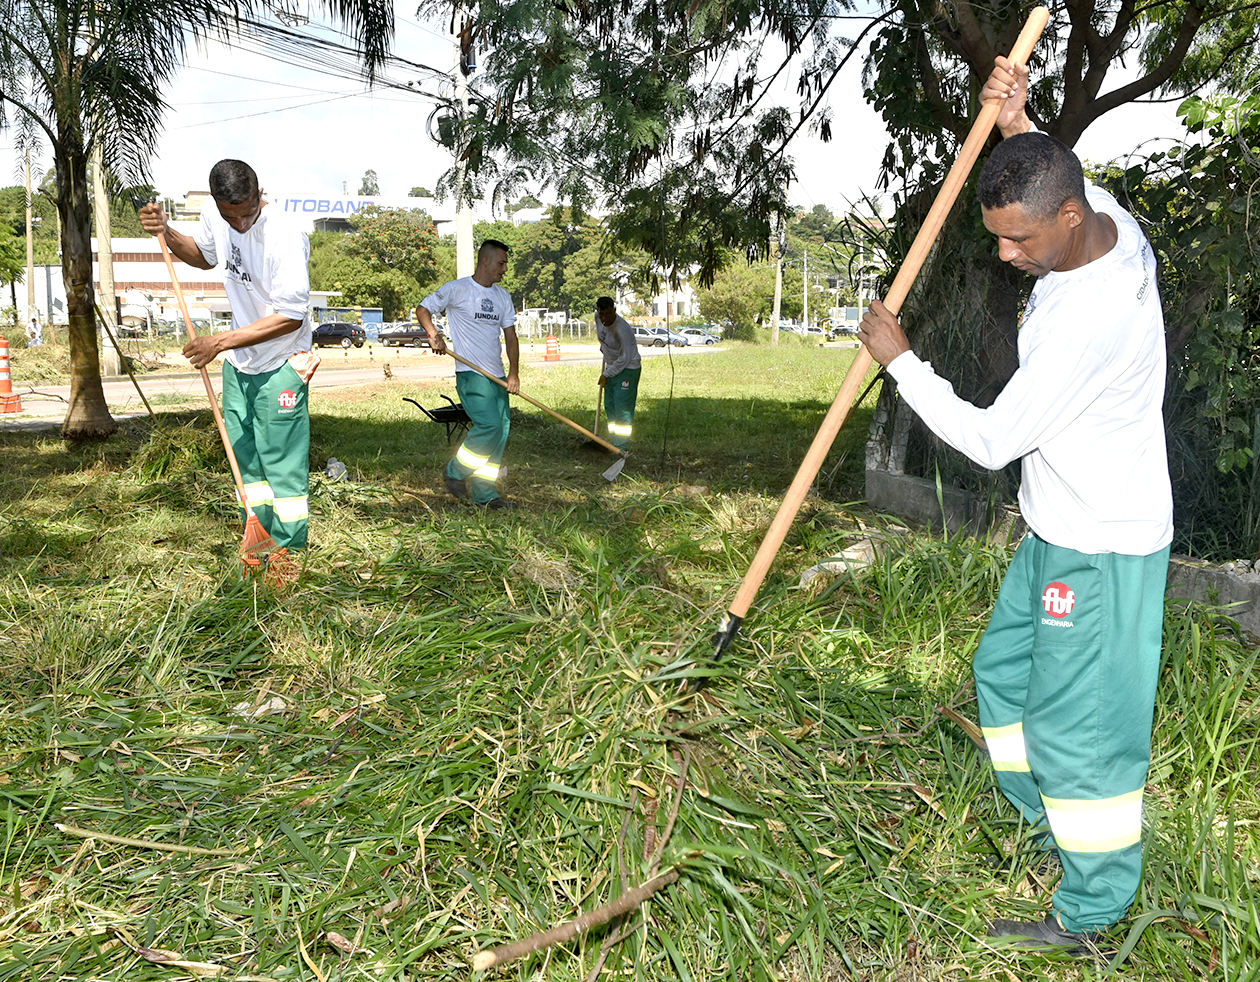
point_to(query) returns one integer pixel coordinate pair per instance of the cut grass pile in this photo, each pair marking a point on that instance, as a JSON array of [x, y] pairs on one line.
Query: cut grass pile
[[460, 728]]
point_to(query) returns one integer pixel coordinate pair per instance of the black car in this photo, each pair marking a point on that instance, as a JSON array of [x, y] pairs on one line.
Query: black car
[[339, 332]]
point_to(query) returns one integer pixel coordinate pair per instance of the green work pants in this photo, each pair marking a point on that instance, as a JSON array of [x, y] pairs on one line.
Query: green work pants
[[620, 393], [270, 429], [1065, 677], [481, 453]]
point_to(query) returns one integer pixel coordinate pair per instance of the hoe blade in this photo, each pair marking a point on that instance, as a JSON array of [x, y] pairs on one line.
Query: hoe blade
[[615, 469]]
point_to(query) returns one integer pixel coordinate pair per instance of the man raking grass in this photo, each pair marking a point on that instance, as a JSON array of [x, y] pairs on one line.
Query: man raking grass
[[268, 358]]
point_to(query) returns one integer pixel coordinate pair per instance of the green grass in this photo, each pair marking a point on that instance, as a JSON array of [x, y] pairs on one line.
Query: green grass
[[481, 723]]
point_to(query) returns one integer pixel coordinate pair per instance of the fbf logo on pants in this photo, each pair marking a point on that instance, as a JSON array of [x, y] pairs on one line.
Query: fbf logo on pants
[[1058, 599], [287, 400]]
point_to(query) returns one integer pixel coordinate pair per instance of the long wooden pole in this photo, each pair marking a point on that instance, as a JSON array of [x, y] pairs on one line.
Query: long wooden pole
[[839, 410], [532, 401]]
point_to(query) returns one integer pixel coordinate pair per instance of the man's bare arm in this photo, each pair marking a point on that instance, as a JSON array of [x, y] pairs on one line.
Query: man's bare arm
[[154, 220]]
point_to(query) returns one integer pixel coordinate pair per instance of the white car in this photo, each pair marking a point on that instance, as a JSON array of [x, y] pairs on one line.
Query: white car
[[698, 335]]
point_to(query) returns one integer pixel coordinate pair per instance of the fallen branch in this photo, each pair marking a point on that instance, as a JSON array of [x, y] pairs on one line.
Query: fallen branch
[[122, 840], [627, 902]]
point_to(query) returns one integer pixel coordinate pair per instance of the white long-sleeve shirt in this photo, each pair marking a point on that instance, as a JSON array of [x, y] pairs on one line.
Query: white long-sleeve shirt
[[618, 345], [1084, 408]]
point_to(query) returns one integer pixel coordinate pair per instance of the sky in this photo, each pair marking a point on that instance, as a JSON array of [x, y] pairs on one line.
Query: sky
[[309, 132]]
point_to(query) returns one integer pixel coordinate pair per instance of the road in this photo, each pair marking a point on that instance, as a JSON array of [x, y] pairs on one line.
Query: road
[[44, 406]]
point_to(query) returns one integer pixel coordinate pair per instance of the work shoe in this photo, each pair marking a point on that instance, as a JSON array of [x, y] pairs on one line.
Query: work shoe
[[457, 488], [499, 504], [1049, 934]]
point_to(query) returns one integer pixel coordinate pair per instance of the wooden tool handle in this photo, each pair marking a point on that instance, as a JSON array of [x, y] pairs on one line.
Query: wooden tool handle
[[534, 402], [205, 377], [905, 278]]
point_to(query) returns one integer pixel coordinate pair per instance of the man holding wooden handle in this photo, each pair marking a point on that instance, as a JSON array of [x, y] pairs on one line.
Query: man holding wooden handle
[[1066, 671]]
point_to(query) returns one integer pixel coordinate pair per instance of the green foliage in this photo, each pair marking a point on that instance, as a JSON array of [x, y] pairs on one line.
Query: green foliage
[[742, 296], [43, 210], [396, 238], [369, 185], [419, 192], [362, 282], [12, 256]]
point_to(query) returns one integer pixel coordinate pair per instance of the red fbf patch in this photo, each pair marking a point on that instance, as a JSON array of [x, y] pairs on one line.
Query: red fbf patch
[[1058, 599], [287, 400]]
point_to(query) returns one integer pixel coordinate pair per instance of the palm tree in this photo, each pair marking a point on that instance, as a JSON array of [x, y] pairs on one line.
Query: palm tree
[[82, 73]]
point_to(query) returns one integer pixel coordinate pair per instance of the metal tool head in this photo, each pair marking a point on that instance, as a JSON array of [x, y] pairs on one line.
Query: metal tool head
[[615, 469]]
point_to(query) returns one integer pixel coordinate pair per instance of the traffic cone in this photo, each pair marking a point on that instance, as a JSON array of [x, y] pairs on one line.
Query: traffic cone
[[9, 403], [553, 348]]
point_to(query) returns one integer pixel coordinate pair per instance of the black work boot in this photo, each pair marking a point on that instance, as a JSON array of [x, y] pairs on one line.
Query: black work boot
[[457, 488], [1049, 934]]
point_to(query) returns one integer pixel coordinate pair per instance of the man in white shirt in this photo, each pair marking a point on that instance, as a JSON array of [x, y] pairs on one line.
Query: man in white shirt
[[1066, 671], [267, 354], [622, 367], [479, 313]]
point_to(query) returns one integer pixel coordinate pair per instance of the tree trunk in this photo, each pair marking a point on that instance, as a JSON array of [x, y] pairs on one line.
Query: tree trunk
[[88, 416]]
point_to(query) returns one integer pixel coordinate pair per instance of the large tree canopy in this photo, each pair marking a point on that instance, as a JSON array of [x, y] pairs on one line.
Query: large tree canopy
[[658, 110]]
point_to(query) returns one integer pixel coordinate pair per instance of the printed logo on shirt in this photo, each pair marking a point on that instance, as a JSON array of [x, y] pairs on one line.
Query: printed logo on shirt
[[1147, 263], [288, 401], [234, 266], [1058, 599], [1028, 309], [487, 305]]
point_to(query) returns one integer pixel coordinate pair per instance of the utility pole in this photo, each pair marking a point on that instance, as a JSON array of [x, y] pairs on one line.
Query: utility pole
[[463, 214], [805, 294], [30, 247], [111, 357], [776, 256]]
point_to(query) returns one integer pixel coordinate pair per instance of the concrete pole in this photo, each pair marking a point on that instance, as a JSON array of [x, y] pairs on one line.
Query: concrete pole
[[805, 294], [778, 287], [111, 363], [30, 249]]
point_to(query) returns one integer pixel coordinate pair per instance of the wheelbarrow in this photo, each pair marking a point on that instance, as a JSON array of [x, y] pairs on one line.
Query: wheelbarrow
[[451, 416]]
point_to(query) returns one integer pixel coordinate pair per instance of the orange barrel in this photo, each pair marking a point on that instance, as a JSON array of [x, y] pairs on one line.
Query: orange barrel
[[9, 403], [553, 348]]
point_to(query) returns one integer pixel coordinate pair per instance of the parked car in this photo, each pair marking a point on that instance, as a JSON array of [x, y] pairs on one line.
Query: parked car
[[667, 336], [698, 335], [646, 337], [404, 334], [339, 332]]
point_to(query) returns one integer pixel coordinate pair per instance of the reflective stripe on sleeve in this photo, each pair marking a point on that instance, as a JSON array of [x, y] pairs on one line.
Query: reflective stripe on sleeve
[[1095, 825], [1006, 747]]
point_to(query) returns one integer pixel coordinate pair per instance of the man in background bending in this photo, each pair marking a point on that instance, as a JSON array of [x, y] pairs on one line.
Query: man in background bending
[[620, 376]]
